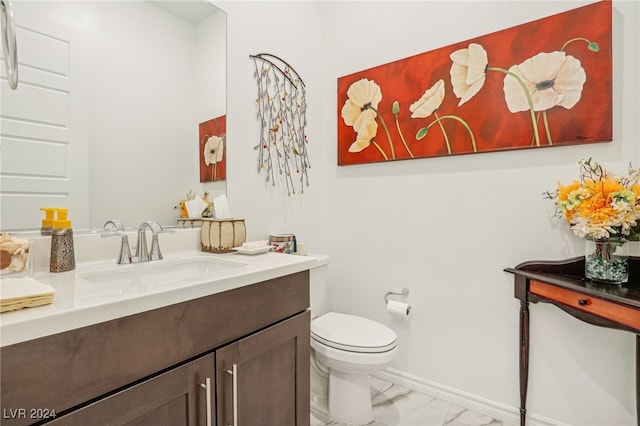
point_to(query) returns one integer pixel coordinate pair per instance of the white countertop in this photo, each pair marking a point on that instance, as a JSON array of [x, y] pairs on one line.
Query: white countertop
[[80, 303]]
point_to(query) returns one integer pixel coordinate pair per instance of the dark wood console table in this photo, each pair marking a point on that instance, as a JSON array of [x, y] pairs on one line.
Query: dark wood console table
[[562, 284]]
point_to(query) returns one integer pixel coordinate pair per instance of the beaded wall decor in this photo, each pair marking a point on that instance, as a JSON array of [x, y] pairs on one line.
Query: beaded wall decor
[[281, 112]]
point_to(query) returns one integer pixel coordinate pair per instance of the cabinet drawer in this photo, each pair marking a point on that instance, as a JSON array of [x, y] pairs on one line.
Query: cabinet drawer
[[602, 308]]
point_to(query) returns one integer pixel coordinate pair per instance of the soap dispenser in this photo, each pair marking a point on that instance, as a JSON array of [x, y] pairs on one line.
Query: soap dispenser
[[47, 222], [62, 255]]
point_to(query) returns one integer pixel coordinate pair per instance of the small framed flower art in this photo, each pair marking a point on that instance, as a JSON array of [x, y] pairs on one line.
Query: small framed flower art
[[212, 149], [544, 83]]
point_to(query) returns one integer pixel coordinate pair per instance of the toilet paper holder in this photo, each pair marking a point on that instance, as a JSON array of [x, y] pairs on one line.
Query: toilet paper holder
[[402, 292]]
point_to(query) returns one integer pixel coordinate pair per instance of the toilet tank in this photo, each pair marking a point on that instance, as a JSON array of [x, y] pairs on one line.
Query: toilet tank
[[318, 286]]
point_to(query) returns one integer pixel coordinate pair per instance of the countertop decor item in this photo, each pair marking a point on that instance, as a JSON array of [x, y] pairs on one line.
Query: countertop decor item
[[63, 258], [283, 243], [195, 207], [222, 235], [282, 113], [603, 209], [14, 254], [25, 292], [190, 206], [253, 247]]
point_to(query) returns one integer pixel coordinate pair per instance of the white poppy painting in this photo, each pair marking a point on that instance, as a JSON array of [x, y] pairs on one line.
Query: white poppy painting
[[212, 149], [540, 84]]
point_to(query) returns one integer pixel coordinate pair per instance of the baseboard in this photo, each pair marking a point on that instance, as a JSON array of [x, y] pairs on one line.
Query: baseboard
[[508, 414]]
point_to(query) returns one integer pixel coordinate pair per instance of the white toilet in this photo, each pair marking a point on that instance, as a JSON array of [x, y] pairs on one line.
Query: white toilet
[[350, 347]]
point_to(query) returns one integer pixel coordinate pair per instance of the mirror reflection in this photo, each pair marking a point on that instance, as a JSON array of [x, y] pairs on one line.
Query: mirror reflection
[[105, 118]]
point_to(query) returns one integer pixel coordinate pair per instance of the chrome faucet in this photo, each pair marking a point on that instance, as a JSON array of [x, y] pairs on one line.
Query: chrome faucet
[[114, 228], [142, 253]]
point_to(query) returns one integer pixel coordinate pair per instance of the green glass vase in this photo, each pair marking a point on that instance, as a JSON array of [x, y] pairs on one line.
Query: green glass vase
[[606, 261]]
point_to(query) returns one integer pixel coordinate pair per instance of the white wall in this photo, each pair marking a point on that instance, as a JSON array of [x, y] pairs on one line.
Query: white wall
[[443, 227], [292, 31]]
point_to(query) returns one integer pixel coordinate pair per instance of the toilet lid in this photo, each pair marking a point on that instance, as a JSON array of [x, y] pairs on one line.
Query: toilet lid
[[352, 333]]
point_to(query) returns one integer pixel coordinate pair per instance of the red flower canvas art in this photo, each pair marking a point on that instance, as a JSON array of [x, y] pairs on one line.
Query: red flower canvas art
[[544, 83], [212, 148]]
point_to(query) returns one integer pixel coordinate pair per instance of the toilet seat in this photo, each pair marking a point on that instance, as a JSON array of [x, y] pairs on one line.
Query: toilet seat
[[352, 333]]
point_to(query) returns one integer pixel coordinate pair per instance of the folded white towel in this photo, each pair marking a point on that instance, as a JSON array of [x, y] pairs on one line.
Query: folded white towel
[[17, 293]]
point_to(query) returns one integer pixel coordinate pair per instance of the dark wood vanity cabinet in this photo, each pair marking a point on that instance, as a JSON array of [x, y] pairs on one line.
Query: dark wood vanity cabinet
[[250, 345]]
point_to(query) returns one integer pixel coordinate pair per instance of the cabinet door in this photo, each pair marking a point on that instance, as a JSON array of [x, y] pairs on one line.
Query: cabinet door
[[173, 398], [271, 382]]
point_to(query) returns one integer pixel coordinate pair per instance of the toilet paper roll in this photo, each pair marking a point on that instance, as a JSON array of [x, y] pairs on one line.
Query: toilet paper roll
[[398, 308]]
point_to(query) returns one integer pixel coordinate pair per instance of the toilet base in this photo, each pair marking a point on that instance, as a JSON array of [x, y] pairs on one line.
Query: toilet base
[[319, 386], [350, 398]]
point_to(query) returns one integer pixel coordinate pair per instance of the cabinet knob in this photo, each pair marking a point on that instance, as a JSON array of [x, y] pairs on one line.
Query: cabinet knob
[[583, 302]]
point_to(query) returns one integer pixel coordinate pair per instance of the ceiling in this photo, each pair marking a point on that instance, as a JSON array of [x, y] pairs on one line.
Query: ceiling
[[192, 11]]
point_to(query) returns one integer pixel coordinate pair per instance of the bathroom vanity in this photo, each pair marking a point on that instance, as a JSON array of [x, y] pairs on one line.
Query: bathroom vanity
[[227, 350]]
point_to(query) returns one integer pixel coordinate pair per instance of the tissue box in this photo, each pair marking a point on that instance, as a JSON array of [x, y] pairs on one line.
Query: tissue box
[[221, 235]]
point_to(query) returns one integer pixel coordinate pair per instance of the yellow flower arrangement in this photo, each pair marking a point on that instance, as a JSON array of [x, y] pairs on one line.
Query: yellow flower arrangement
[[600, 205]]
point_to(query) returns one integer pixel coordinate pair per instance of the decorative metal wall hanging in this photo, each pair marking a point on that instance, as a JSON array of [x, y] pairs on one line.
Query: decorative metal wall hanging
[[282, 107], [546, 82]]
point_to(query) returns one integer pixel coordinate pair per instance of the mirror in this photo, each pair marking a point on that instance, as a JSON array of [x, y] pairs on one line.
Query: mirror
[[105, 118]]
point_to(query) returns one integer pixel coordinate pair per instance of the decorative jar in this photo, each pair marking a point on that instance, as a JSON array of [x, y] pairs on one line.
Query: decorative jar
[[283, 243]]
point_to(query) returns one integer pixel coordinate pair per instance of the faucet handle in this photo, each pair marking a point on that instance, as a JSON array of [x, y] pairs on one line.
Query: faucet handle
[[142, 253], [154, 226], [113, 224], [155, 253], [113, 228]]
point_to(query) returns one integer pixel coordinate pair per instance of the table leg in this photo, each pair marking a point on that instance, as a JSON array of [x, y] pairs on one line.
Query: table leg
[[524, 359], [638, 379]]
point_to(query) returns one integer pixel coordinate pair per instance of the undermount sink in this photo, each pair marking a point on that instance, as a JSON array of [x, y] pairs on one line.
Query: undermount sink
[[141, 277]]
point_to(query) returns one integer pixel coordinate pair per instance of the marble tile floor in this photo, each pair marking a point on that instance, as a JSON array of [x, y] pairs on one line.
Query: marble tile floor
[[394, 405]]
